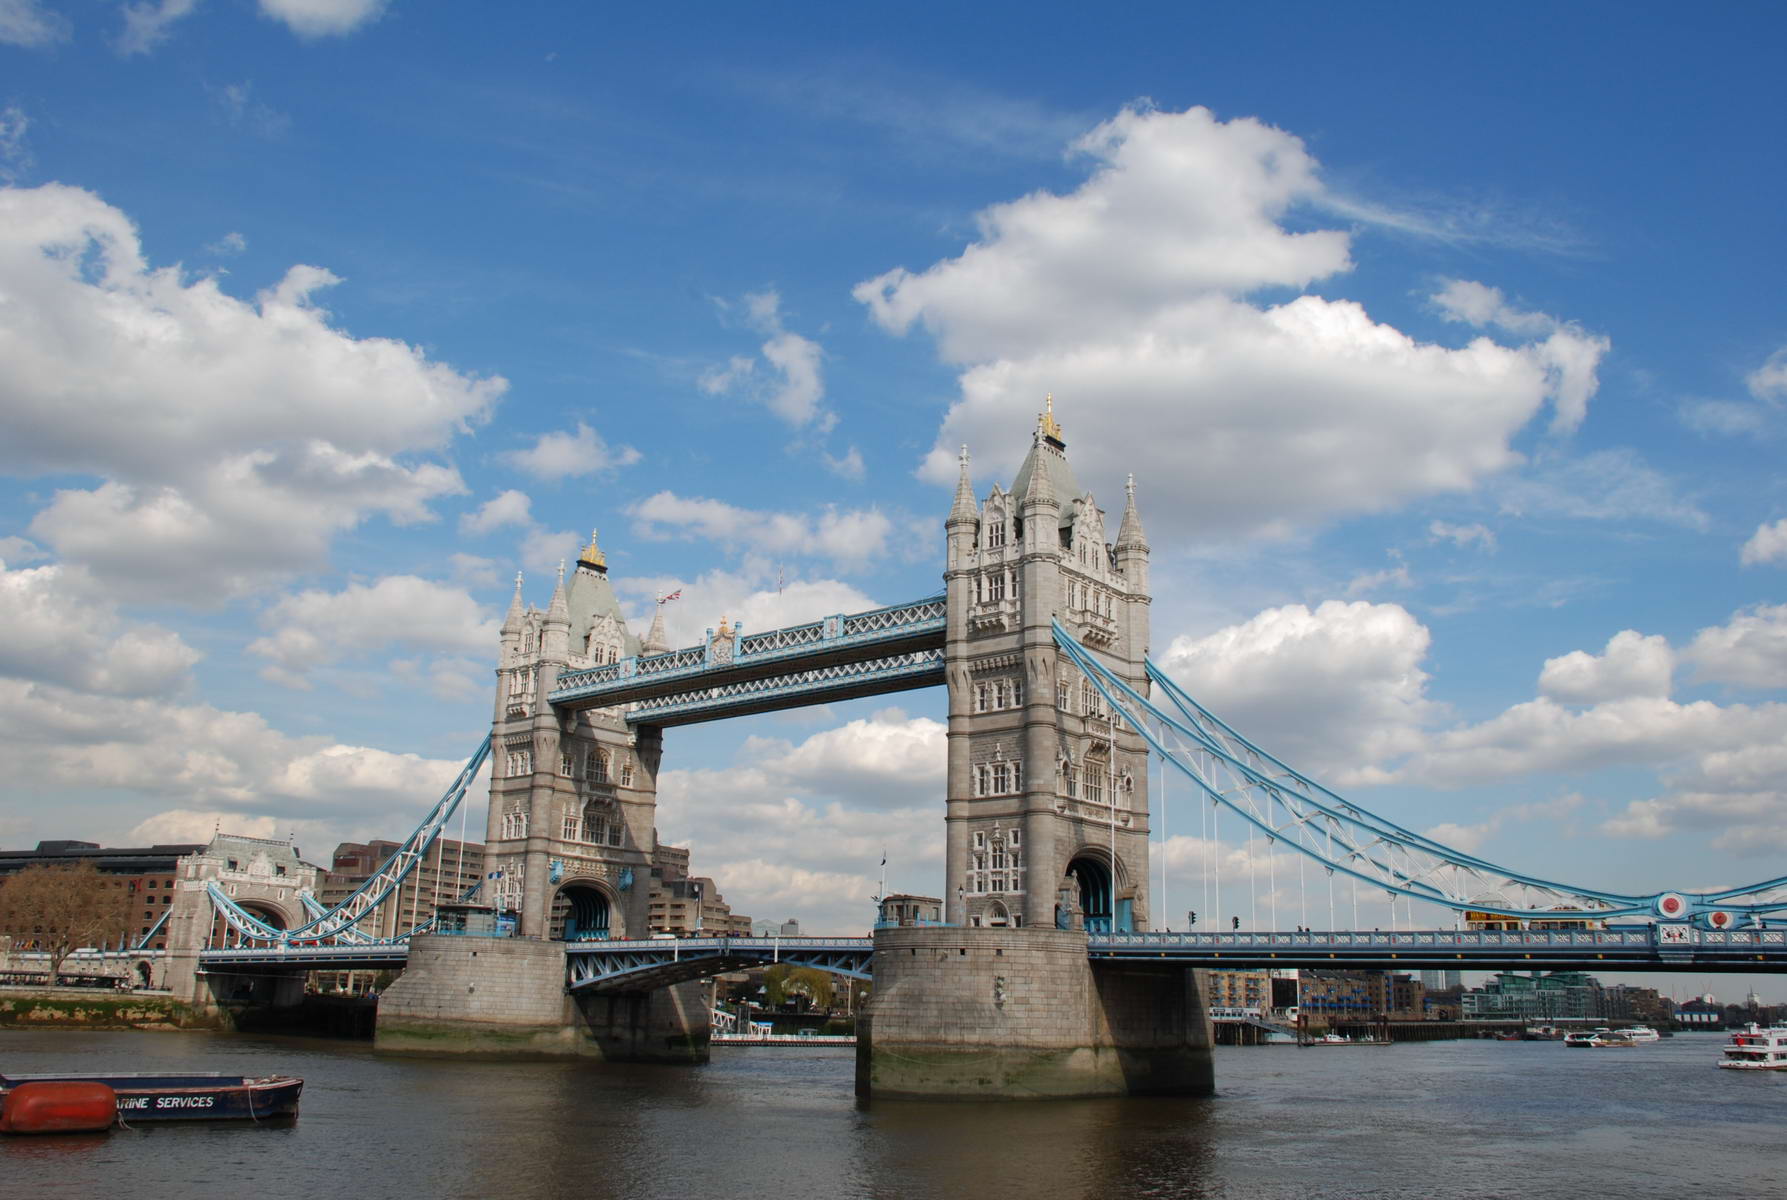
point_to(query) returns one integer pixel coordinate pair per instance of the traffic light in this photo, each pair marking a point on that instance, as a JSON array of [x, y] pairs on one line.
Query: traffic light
[[1193, 915], [1237, 922]]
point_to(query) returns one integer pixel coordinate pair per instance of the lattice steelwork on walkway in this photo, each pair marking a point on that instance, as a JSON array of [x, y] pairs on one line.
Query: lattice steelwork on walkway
[[839, 658], [640, 966]]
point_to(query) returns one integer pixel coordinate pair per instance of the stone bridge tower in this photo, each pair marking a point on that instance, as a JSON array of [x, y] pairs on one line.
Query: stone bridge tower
[[1048, 790], [1047, 824], [573, 795]]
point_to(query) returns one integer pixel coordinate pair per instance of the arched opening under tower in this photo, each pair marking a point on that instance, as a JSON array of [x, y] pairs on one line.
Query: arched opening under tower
[[224, 935], [580, 913], [1093, 880]]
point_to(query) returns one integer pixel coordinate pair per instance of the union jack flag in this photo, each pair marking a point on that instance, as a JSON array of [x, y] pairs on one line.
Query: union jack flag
[[676, 595]]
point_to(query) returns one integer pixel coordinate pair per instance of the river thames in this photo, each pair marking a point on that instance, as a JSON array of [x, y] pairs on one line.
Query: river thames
[[1457, 1119]]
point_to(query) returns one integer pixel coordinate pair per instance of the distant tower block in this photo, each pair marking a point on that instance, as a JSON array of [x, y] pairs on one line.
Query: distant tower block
[[573, 795], [1048, 790]]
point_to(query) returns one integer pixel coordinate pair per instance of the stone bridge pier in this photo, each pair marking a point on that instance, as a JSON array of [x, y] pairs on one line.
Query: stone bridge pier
[[1023, 1014]]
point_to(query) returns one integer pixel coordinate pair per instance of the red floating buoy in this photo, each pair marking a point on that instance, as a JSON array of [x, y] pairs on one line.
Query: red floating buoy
[[64, 1107]]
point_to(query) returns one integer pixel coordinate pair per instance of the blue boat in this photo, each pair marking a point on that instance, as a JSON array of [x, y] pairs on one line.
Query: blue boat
[[201, 1096]]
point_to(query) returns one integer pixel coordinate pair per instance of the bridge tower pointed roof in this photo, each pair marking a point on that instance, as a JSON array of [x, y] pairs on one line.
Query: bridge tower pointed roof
[[1045, 471]]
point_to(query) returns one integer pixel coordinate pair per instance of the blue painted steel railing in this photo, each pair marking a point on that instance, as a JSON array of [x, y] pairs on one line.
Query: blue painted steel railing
[[670, 671], [916, 669], [1652, 947]]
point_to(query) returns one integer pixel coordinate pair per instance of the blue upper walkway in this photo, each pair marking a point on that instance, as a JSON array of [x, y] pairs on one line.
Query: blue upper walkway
[[839, 658]]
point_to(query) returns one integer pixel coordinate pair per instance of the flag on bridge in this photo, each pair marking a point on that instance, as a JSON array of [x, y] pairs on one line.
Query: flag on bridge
[[676, 595]]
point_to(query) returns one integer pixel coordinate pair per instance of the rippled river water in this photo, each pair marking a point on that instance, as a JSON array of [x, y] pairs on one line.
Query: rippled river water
[[1455, 1119]]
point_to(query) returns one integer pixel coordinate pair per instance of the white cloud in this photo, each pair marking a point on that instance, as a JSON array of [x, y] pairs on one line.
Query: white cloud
[[15, 156], [1769, 381], [1749, 650], [19, 550], [146, 24], [1633, 665], [502, 510], [749, 599], [323, 18], [558, 456], [1463, 536], [27, 23], [314, 628], [544, 549], [242, 111], [229, 243], [1722, 769], [1334, 691], [799, 830], [1127, 298], [848, 466], [1607, 485], [1768, 544], [848, 537], [59, 742], [474, 571], [1372, 581], [57, 626], [1568, 355], [109, 367], [796, 393]]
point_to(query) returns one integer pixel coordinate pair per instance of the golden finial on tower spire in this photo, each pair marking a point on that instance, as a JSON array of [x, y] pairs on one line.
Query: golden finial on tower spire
[[1047, 425], [592, 555]]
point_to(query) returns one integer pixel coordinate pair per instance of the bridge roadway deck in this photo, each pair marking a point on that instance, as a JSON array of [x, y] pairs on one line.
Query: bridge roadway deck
[[646, 964]]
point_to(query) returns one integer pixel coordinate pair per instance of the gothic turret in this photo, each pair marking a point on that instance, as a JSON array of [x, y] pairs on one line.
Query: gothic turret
[[656, 642], [555, 633]]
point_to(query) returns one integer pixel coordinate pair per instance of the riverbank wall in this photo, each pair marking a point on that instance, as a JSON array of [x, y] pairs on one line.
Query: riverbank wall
[[84, 1008]]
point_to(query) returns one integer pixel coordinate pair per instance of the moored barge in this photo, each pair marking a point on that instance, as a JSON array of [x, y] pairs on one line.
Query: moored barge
[[199, 1096]]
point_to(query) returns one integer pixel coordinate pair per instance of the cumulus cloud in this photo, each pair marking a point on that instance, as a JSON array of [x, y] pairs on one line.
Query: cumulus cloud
[[846, 466], [1750, 650], [1767, 545], [1462, 536], [146, 24], [500, 511], [753, 599], [28, 23], [1129, 298], [1721, 769], [1335, 691], [323, 18], [1569, 355], [15, 156], [849, 537], [57, 626], [112, 368], [62, 742], [557, 456], [795, 387], [314, 628], [799, 829], [1769, 381], [1632, 665]]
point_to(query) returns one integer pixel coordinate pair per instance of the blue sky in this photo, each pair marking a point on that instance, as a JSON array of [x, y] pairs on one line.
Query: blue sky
[[1446, 348]]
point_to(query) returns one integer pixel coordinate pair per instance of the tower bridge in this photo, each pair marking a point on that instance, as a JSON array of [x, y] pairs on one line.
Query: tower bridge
[[1049, 974]]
